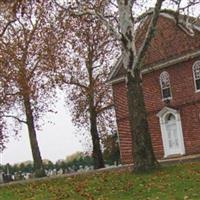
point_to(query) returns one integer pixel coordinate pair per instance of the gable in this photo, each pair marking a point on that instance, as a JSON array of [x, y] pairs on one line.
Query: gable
[[170, 43]]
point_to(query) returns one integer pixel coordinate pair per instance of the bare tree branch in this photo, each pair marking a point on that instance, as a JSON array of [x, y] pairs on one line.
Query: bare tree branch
[[149, 35], [5, 28], [105, 108], [75, 83], [14, 117]]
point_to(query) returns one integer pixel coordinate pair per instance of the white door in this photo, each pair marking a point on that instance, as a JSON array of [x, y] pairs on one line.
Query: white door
[[171, 130], [173, 139]]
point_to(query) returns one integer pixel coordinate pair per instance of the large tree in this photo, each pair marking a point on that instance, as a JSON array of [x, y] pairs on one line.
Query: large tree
[[144, 157], [133, 56], [26, 66], [87, 47], [127, 20]]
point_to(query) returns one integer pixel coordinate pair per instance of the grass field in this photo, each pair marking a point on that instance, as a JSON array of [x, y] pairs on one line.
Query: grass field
[[180, 182]]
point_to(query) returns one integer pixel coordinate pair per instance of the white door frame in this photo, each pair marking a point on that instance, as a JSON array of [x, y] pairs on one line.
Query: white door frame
[[162, 116]]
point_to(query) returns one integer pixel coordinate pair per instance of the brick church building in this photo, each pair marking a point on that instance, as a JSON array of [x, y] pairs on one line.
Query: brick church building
[[171, 87]]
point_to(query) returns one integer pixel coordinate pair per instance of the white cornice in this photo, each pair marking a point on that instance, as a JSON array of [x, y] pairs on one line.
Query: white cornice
[[115, 68], [186, 27], [161, 65], [116, 80], [171, 62]]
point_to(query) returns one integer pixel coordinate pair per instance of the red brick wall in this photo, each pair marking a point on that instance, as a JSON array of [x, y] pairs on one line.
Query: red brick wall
[[121, 108], [191, 128], [184, 99], [169, 41], [182, 87]]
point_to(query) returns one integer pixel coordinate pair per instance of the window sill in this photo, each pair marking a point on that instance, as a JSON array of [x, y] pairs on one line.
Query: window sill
[[197, 91], [170, 98]]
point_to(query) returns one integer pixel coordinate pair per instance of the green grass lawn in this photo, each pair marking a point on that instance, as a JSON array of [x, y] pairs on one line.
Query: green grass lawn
[[169, 183]]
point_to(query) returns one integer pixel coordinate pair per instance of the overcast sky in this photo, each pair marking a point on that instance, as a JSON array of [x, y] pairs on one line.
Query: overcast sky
[[56, 141]]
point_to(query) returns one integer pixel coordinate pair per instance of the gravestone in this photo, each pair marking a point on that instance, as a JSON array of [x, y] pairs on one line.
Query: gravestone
[[1, 177]]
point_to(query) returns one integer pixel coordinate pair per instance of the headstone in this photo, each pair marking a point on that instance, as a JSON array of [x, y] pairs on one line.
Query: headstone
[[7, 178], [1, 177], [60, 171]]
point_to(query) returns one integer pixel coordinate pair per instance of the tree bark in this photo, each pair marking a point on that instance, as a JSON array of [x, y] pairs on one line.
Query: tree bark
[[38, 166], [143, 154], [97, 153], [25, 92]]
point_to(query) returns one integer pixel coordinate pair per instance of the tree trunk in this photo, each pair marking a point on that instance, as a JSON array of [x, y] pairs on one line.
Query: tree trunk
[[97, 153], [38, 166], [143, 155]]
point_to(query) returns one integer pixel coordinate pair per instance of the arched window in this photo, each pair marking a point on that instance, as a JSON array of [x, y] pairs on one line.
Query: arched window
[[170, 117], [165, 85], [196, 74]]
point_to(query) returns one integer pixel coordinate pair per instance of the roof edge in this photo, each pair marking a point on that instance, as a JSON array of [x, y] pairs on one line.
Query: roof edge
[[161, 65], [116, 80], [172, 62], [115, 68]]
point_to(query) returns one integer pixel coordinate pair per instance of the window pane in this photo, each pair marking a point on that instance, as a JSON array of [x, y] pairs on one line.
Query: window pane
[[165, 85], [198, 84], [164, 80], [197, 73], [196, 69], [167, 93]]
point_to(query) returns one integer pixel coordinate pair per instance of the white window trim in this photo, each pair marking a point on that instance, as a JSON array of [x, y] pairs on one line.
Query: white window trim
[[162, 114], [167, 98], [194, 78]]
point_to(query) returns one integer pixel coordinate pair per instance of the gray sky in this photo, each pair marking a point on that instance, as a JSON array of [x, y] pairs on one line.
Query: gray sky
[[56, 141]]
